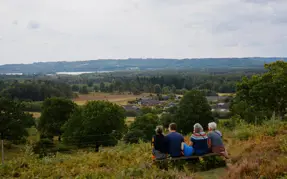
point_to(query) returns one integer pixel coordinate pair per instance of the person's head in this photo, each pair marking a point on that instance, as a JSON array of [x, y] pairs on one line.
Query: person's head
[[197, 128], [212, 126], [172, 127], [159, 129]]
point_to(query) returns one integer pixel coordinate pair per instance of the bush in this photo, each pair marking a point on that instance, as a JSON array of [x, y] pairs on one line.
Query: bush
[[43, 147], [133, 136], [142, 128], [32, 106], [131, 113], [94, 124]]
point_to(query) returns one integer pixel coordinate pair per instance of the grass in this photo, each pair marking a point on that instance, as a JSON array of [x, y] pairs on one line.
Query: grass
[[261, 152], [121, 99], [225, 94]]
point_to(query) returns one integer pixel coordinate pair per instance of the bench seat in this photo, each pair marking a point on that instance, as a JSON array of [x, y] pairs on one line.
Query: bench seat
[[186, 158]]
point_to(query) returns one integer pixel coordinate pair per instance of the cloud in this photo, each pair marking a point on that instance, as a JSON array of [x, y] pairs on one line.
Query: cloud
[[91, 29], [33, 25]]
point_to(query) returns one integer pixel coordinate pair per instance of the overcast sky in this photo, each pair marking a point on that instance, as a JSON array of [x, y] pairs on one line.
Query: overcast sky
[[69, 30]]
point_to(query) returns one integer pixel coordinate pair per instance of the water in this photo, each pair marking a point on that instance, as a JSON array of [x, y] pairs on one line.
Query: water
[[80, 73]]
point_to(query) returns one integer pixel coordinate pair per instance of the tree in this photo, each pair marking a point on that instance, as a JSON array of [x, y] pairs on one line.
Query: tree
[[94, 124], [55, 112], [166, 90], [166, 119], [90, 83], [266, 92], [84, 90], [13, 120], [193, 108], [96, 88], [142, 128], [157, 89], [102, 87], [75, 88]]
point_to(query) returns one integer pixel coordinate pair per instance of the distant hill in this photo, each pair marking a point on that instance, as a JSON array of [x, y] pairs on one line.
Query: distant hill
[[138, 64]]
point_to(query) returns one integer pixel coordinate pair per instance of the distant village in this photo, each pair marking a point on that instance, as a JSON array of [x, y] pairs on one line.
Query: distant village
[[219, 104]]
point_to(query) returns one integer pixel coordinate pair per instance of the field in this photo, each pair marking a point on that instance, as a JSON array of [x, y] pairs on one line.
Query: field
[[121, 99]]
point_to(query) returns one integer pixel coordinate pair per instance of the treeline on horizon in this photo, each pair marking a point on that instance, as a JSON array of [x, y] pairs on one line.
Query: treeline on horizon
[[138, 64], [40, 87]]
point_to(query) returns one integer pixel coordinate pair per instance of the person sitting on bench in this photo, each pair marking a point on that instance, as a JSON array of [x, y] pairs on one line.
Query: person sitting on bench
[[173, 141], [187, 150], [158, 144], [215, 137], [199, 140]]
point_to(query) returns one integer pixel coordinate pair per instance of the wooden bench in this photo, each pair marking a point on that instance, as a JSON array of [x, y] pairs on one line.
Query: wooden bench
[[187, 158]]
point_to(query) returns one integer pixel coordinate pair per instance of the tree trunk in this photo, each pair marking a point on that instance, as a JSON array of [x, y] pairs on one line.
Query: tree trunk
[[97, 148], [2, 153]]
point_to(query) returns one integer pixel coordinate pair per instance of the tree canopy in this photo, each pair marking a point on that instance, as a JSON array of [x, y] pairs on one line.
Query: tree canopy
[[193, 108], [263, 94], [94, 124], [13, 120], [55, 112]]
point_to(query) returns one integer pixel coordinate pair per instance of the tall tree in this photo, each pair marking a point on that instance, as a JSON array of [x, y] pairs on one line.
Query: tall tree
[[267, 91], [55, 112], [13, 120], [193, 108]]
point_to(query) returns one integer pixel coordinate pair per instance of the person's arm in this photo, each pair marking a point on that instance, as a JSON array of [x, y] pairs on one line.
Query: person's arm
[[209, 142]]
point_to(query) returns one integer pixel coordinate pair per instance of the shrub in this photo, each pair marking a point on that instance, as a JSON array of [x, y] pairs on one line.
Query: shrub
[[32, 106], [94, 124], [142, 128], [43, 147]]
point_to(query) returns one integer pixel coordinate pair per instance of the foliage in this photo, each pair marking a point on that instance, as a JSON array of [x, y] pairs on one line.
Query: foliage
[[75, 88], [13, 120], [142, 128], [193, 108], [94, 124], [84, 90], [43, 147], [55, 112], [260, 95], [36, 90], [121, 161], [166, 119], [157, 89], [32, 106]]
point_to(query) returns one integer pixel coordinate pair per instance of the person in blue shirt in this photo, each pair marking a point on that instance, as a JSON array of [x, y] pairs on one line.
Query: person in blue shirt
[[199, 140], [173, 141], [187, 150]]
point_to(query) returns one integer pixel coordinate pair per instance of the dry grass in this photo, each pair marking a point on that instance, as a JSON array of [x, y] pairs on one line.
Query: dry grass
[[225, 94], [36, 114], [262, 156], [121, 99]]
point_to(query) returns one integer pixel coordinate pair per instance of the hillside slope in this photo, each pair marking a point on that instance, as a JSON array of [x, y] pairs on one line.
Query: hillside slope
[[141, 64], [256, 152]]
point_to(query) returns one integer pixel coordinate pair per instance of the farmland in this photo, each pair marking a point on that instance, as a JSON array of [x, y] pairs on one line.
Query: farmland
[[120, 99]]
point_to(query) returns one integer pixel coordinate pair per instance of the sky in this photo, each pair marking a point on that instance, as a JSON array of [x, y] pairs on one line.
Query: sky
[[72, 30]]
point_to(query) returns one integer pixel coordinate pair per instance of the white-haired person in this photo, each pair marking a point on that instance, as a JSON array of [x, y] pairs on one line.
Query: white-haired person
[[216, 141], [199, 140]]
